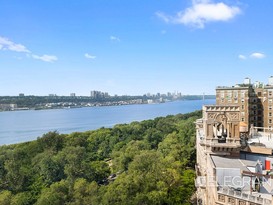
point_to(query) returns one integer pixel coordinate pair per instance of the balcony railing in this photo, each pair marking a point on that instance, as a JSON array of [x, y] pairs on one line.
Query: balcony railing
[[243, 196]]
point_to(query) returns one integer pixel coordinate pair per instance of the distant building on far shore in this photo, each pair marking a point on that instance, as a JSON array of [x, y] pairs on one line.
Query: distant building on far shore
[[98, 94], [8, 107]]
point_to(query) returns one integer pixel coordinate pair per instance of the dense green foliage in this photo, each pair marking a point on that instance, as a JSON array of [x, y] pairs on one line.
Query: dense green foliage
[[148, 162]]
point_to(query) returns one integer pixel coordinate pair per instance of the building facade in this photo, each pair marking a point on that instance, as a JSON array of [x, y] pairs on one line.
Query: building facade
[[255, 101], [234, 146]]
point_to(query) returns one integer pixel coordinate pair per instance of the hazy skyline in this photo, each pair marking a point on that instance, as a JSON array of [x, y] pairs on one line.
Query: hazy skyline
[[133, 47]]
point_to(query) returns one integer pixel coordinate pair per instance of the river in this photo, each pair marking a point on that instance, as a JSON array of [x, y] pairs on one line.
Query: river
[[22, 126]]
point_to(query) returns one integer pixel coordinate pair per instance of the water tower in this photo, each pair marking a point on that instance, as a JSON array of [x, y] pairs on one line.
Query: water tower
[[247, 81], [270, 80]]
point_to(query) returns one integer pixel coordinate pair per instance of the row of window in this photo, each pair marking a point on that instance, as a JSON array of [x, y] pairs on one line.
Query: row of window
[[255, 119], [230, 100], [253, 100], [229, 94]]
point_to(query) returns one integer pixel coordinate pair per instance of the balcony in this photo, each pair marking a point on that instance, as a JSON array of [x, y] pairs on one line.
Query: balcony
[[229, 143], [227, 195], [200, 182]]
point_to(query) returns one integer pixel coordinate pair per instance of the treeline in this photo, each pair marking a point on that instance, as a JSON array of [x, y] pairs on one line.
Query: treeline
[[148, 162], [34, 101]]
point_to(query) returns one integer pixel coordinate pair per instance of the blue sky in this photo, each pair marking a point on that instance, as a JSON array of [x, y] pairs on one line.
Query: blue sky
[[133, 47]]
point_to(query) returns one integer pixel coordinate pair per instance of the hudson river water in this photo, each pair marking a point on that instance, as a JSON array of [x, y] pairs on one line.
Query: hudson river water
[[21, 126]]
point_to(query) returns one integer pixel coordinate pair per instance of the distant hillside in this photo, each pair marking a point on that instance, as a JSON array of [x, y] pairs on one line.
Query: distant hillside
[[148, 162], [46, 102]]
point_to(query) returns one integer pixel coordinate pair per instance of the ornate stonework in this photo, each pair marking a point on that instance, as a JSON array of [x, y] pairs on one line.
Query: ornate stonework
[[211, 115], [233, 116]]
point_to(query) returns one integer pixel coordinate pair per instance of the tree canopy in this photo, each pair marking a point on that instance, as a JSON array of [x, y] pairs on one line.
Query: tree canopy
[[148, 162]]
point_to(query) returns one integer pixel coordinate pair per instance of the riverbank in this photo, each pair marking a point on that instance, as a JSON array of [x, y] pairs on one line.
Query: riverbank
[[16, 103], [29, 124]]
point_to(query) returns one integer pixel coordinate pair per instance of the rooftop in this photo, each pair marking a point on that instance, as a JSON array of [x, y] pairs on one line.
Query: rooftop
[[261, 139], [225, 162]]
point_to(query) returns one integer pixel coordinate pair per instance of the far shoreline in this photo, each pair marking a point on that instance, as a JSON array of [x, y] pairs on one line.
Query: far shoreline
[[114, 104]]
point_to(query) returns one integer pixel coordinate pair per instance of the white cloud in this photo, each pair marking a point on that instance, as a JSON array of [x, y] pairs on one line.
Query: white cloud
[[163, 16], [257, 55], [202, 12], [89, 56], [114, 38], [46, 58], [6, 44], [242, 57]]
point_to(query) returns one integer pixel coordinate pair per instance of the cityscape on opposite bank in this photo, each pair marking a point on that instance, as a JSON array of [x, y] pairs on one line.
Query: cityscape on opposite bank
[[96, 98]]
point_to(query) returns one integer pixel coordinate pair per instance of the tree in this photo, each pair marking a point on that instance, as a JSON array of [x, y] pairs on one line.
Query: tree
[[49, 167], [57, 194], [85, 193], [22, 198], [5, 197]]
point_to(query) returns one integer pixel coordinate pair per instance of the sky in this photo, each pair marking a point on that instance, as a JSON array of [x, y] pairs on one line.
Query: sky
[[133, 47]]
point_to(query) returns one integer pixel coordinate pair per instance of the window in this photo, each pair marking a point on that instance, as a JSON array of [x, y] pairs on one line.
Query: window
[[270, 100], [269, 121], [242, 94], [243, 119], [270, 114], [235, 93], [270, 93], [243, 107], [270, 107], [242, 100], [259, 94], [229, 95]]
